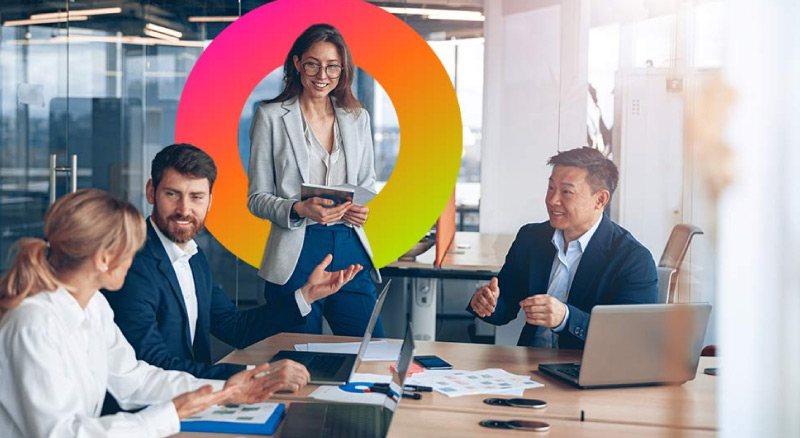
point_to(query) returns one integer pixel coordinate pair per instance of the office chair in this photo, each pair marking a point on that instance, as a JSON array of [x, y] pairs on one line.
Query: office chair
[[672, 258]]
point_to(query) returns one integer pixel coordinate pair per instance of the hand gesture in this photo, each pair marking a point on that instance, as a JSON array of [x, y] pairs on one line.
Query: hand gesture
[[356, 215], [320, 210], [543, 310], [201, 399], [322, 283], [258, 384], [485, 298]]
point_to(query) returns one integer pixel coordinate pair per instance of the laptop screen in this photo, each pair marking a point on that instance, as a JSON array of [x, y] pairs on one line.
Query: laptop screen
[[401, 367], [373, 319]]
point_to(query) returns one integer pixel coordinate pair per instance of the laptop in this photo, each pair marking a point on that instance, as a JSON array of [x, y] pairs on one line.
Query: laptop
[[638, 344], [335, 368], [351, 420]]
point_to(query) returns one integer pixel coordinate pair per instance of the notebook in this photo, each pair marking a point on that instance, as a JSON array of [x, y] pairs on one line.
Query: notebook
[[253, 419]]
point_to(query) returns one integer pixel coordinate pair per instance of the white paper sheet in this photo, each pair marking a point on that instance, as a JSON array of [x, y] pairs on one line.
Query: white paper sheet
[[377, 350], [456, 383], [257, 413]]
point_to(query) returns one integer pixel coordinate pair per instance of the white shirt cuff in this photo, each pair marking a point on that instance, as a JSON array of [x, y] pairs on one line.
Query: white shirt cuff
[[163, 418], [563, 323], [304, 307]]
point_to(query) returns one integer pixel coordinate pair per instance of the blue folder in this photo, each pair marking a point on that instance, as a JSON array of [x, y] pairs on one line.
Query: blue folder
[[267, 428]]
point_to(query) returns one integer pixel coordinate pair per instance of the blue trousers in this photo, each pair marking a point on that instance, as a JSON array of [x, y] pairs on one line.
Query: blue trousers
[[348, 310]]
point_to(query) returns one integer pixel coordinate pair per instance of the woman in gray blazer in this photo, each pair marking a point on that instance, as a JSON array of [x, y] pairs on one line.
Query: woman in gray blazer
[[315, 132]]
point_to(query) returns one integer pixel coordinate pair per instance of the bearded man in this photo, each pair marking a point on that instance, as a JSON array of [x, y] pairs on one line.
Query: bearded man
[[170, 305]]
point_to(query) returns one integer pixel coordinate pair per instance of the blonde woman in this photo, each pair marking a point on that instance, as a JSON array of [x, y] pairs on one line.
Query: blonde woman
[[60, 350]]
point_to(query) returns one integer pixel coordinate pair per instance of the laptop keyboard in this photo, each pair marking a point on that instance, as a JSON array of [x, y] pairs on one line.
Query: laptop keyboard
[[353, 421], [325, 365], [573, 370]]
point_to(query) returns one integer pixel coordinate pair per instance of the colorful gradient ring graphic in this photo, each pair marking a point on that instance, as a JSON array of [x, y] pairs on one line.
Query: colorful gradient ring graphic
[[392, 53]]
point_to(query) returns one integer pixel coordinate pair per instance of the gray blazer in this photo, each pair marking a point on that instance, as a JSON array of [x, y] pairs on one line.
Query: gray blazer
[[279, 165]]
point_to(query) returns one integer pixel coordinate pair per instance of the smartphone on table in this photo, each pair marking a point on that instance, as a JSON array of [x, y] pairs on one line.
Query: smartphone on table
[[432, 362]]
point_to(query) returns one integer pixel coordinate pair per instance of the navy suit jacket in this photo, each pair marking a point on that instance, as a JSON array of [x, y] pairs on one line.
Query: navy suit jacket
[[614, 269], [150, 311]]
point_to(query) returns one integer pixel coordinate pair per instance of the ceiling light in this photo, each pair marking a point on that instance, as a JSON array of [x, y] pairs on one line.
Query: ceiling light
[[84, 12], [438, 14], [124, 39], [160, 35], [44, 21], [456, 17], [214, 19], [164, 30]]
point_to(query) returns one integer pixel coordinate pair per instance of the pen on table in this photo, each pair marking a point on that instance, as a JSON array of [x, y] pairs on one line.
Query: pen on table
[[417, 388]]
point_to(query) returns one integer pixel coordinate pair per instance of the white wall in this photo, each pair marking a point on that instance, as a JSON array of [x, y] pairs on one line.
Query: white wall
[[534, 103], [759, 261]]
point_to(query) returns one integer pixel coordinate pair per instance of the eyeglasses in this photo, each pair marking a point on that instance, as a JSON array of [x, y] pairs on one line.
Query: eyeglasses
[[312, 69]]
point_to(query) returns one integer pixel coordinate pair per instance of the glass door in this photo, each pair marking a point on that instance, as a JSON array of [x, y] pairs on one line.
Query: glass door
[[33, 80]]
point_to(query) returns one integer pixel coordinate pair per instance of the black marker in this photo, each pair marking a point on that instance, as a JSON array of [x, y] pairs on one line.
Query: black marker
[[418, 388], [412, 395]]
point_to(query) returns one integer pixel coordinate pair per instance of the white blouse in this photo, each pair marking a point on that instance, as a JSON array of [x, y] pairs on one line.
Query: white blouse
[[56, 362]]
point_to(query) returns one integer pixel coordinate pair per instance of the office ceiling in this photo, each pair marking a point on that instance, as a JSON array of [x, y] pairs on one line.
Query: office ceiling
[[174, 15]]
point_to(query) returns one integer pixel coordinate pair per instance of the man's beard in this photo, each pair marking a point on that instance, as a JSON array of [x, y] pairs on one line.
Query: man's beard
[[177, 235]]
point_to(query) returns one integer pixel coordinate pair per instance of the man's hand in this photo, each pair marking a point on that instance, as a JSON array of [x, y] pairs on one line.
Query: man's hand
[[201, 399], [485, 298], [319, 210], [356, 214], [322, 283], [258, 384], [543, 310]]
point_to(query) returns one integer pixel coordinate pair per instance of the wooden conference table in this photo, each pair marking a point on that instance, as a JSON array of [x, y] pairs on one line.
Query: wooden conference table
[[687, 410]]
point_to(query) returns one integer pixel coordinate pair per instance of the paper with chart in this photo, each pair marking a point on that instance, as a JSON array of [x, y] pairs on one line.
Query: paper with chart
[[257, 413], [376, 350], [455, 383], [354, 391]]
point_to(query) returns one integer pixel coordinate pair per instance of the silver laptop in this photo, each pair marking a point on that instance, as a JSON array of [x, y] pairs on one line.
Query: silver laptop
[[336, 368], [351, 420], [638, 344]]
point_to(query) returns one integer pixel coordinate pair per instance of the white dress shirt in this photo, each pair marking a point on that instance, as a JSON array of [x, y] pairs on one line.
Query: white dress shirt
[[180, 264], [325, 169], [56, 362], [565, 264]]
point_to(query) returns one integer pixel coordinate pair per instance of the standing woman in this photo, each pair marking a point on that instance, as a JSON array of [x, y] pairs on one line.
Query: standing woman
[[315, 132], [60, 349]]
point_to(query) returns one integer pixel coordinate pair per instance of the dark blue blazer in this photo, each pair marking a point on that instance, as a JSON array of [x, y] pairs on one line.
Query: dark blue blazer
[[150, 311], [614, 269]]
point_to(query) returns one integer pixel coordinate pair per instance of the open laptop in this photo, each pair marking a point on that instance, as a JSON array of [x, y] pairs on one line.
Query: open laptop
[[638, 344], [336, 368], [351, 420]]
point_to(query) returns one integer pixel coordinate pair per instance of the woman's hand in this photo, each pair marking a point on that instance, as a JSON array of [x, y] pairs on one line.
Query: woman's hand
[[356, 214], [319, 210], [258, 384], [201, 399]]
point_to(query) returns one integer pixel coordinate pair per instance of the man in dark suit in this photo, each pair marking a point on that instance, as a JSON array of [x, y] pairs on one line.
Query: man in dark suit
[[558, 270], [170, 305]]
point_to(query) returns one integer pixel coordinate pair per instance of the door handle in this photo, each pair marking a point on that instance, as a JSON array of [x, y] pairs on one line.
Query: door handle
[[72, 170]]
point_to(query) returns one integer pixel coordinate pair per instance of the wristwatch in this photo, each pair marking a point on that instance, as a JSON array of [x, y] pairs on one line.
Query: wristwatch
[[293, 214]]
